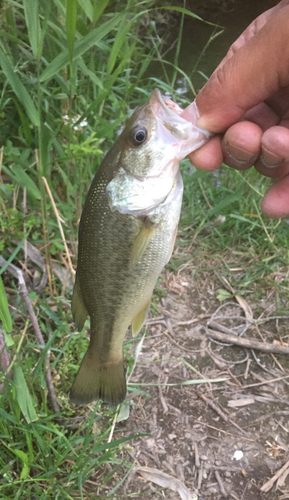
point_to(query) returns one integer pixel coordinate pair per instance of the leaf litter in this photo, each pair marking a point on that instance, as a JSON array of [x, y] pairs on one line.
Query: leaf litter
[[232, 404], [194, 432]]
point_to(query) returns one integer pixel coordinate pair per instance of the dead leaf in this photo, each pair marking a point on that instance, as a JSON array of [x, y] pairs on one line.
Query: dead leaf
[[166, 481], [234, 403], [245, 306]]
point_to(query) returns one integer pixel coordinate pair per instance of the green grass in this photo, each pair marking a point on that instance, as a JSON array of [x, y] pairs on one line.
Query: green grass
[[222, 225], [68, 81]]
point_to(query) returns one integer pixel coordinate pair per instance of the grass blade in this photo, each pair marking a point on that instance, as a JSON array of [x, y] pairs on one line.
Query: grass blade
[[80, 47], [231, 198], [19, 89], [118, 43], [13, 255], [99, 7], [4, 309], [71, 14], [33, 26], [25, 462], [23, 395], [24, 180], [86, 5], [25, 123], [188, 12]]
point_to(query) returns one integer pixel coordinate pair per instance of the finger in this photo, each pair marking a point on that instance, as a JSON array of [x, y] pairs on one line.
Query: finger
[[262, 115], [209, 156], [241, 145], [254, 73], [274, 159], [275, 203], [279, 102]]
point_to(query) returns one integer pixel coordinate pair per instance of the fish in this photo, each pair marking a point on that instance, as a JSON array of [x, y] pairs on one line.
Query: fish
[[127, 233]]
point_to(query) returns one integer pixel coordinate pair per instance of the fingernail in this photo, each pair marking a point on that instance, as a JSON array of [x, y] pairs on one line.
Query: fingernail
[[271, 160], [240, 156]]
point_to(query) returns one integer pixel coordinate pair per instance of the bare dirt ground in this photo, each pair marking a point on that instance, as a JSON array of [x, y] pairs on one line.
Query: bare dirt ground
[[223, 439]]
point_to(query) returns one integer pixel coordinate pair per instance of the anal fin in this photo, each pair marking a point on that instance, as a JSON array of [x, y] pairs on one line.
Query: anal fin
[[139, 318], [78, 308]]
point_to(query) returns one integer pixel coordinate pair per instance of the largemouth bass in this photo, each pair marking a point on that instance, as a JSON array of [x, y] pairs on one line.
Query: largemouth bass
[[127, 233]]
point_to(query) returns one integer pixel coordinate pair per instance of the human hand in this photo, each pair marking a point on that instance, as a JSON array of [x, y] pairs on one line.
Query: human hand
[[246, 103]]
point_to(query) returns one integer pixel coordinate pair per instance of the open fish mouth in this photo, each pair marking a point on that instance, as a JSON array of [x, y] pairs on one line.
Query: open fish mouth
[[168, 112]]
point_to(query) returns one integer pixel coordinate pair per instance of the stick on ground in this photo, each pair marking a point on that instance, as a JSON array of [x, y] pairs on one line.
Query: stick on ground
[[248, 343], [24, 294], [267, 486]]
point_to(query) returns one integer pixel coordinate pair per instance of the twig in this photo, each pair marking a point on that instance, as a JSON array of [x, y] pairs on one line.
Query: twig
[[220, 328], [249, 343], [225, 432], [197, 458], [220, 483], [24, 205], [200, 477], [204, 194], [272, 355], [220, 412], [270, 381], [163, 402], [267, 486], [48, 264], [213, 406], [59, 225], [189, 322], [249, 361], [24, 294], [155, 321], [113, 424]]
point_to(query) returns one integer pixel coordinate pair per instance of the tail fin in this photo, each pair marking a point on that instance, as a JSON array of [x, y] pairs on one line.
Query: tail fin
[[95, 381]]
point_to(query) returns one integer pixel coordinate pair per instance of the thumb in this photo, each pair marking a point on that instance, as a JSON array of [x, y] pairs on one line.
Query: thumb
[[256, 71]]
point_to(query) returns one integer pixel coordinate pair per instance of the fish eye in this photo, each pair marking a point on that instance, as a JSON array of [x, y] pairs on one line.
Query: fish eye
[[138, 135]]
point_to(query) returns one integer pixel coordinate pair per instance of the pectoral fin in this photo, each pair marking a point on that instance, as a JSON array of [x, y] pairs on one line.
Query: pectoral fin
[[141, 241], [78, 308], [139, 318]]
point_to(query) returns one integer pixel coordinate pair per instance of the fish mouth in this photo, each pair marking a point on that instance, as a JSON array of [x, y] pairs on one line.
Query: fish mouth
[[168, 113]]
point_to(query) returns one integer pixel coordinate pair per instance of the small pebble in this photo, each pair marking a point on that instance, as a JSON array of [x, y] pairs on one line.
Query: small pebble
[[172, 436], [212, 491], [237, 455]]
